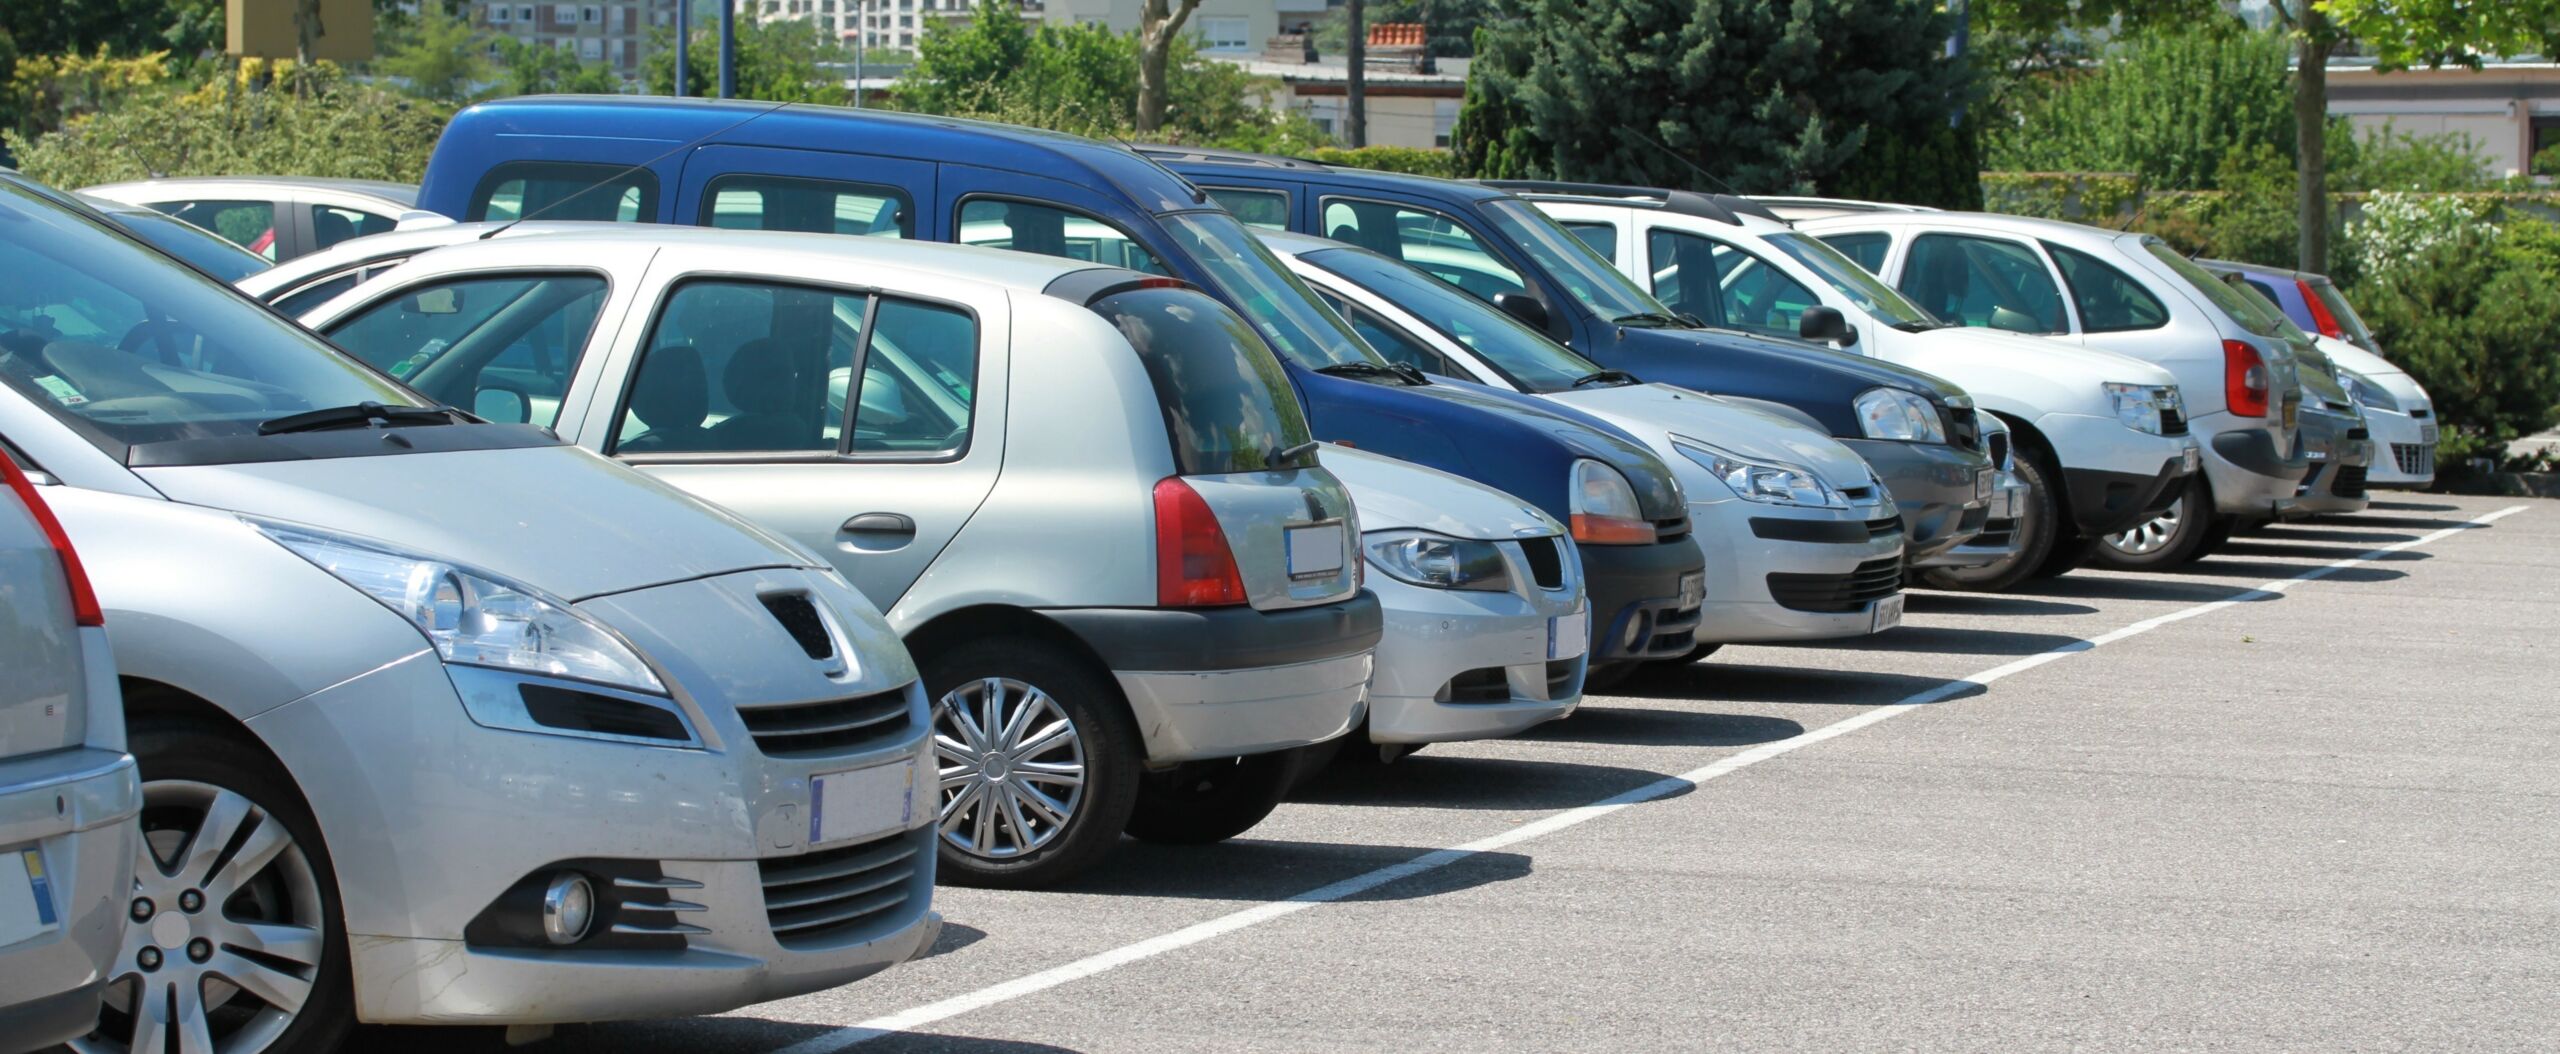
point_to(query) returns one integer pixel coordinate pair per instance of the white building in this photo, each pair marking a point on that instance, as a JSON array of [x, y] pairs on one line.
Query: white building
[[612, 32], [1223, 27], [894, 24], [2509, 109]]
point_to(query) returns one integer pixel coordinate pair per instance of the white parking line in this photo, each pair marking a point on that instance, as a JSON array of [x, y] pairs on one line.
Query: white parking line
[[916, 1017]]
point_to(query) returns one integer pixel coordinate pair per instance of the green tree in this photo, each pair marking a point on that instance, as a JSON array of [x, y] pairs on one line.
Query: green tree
[[436, 56], [2473, 324], [778, 61], [2169, 106], [525, 68]]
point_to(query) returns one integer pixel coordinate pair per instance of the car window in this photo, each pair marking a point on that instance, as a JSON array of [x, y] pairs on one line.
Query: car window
[[1714, 280], [1263, 209], [1227, 404], [1280, 308], [565, 191], [209, 252], [1052, 231], [1522, 355], [1429, 241], [331, 225], [1601, 237], [1589, 278], [2238, 307], [2110, 301], [1989, 282], [818, 206], [1860, 286], [919, 381], [1867, 249], [1394, 343], [472, 341], [746, 366], [248, 224]]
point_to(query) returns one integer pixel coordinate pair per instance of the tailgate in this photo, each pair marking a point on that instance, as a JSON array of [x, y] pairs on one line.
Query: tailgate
[[1295, 538]]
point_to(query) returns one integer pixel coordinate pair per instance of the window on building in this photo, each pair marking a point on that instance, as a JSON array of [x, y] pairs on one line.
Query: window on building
[[1225, 33], [565, 14], [499, 14], [591, 15], [524, 13], [1444, 121], [591, 49]]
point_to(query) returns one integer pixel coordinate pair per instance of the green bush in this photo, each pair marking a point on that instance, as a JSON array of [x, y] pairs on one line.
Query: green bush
[[2473, 324], [1408, 159], [311, 123], [2169, 105]]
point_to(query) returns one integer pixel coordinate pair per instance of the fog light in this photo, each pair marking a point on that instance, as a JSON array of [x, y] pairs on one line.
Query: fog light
[[568, 906], [1635, 631]]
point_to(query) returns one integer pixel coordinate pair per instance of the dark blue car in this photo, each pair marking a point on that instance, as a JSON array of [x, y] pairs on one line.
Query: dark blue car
[[866, 172], [1507, 252]]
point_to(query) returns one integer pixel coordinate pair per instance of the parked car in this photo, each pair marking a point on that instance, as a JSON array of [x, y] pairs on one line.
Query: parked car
[[2396, 407], [2106, 435], [892, 175], [1081, 493], [68, 790], [441, 721], [276, 217], [200, 248], [1802, 543], [1919, 432], [2127, 293]]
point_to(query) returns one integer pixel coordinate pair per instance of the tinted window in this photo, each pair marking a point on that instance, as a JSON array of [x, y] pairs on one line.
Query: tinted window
[[1716, 281], [1601, 237], [1855, 283], [464, 341], [1051, 231], [248, 224], [1867, 249], [1394, 343], [2109, 299], [1283, 311], [2346, 315], [733, 367], [331, 225], [1522, 355], [558, 191], [775, 203], [1434, 243], [1266, 209], [1585, 275], [1227, 404], [1983, 282]]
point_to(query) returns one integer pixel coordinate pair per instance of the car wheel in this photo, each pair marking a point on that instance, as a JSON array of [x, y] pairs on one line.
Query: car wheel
[[234, 940], [1038, 760], [2174, 538], [2039, 524], [1211, 801]]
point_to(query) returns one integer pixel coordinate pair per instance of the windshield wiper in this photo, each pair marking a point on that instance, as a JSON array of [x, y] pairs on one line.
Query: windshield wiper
[[1920, 325], [1612, 378], [1364, 368], [1652, 318], [362, 414]]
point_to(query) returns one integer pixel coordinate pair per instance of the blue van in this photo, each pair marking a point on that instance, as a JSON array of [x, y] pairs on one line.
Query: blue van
[[868, 172], [1917, 431]]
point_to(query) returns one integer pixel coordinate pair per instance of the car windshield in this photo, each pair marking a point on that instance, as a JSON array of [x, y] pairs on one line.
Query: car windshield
[[1524, 357], [207, 251], [1282, 309], [1571, 263], [2241, 310], [1862, 288], [127, 348]]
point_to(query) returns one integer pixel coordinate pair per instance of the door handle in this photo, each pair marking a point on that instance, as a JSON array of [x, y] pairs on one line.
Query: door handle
[[879, 523]]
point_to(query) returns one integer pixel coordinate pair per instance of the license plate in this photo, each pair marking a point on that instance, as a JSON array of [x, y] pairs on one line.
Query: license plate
[[2191, 458], [1568, 635], [26, 897], [1982, 487], [1888, 614], [1316, 551], [1693, 590], [2427, 434], [844, 806], [2292, 416]]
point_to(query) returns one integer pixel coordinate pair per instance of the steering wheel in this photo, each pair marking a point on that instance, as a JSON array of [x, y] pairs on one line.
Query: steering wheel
[[169, 338]]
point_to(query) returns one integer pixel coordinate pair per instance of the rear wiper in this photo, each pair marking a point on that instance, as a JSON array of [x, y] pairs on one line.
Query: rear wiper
[[362, 414], [1654, 318], [1612, 378], [1364, 368]]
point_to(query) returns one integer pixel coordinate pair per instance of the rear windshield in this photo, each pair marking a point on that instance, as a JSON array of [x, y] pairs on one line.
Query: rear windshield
[[1227, 403], [2250, 316]]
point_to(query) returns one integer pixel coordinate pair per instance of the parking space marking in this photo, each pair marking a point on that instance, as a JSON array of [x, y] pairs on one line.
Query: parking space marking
[[917, 1017]]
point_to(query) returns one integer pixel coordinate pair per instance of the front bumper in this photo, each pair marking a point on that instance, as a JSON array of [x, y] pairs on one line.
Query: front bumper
[[2404, 448], [1638, 607], [1750, 545], [2105, 502], [1941, 490], [1470, 664], [1999, 539], [73, 810], [1222, 682]]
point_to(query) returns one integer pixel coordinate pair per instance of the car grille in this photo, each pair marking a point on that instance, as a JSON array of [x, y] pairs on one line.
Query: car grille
[[1882, 526], [1963, 428], [2172, 422], [1487, 684], [1872, 581], [2350, 482], [1858, 495], [829, 895], [1546, 560], [2414, 459], [836, 726], [1671, 530], [1560, 676], [2419, 414], [1995, 534], [800, 618]]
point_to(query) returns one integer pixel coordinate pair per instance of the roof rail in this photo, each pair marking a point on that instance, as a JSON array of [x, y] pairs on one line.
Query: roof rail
[[1721, 208], [1174, 152]]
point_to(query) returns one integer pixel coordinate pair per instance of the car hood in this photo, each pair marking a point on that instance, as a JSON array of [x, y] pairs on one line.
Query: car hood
[[1821, 381], [1399, 494], [2375, 368], [557, 518], [1806, 355], [1978, 357], [1657, 412], [1582, 435]]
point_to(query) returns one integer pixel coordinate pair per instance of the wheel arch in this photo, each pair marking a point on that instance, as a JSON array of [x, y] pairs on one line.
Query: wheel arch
[[2028, 441], [964, 625]]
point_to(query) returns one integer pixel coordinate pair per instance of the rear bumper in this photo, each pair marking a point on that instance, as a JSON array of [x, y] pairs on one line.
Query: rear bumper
[[2251, 475], [1637, 611], [1223, 682], [73, 809], [1940, 488], [2105, 502]]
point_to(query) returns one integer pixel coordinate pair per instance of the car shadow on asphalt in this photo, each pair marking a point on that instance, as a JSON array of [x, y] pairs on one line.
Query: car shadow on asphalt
[[2139, 587], [2323, 553], [2414, 506], [954, 937], [1644, 726], [1432, 781], [2407, 523], [1731, 682], [1257, 870], [734, 1035], [1944, 640], [1986, 604]]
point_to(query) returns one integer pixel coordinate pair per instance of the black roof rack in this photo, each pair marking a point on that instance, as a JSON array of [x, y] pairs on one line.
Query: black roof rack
[[1173, 152], [1722, 208]]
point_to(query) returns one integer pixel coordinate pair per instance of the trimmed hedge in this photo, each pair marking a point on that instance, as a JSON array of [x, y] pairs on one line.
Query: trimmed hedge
[[1407, 159]]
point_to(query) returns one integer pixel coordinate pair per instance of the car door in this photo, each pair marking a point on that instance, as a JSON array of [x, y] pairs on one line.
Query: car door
[[867, 424], [1985, 280], [1723, 283]]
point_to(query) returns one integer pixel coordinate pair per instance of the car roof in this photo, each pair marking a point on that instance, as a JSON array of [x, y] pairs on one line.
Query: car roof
[[2286, 273], [1722, 208], [792, 252], [1292, 243], [2029, 225], [1275, 164], [403, 194]]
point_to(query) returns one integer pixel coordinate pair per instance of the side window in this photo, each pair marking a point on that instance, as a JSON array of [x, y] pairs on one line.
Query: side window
[[1428, 241], [2109, 300], [733, 367], [818, 206], [331, 225], [919, 382], [1267, 209], [1983, 282], [1601, 237], [1715, 281], [565, 191], [1867, 249], [504, 346], [249, 224], [1390, 341], [1051, 231]]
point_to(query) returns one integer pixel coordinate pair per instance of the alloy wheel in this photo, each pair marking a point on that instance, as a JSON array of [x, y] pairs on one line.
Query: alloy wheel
[[2152, 536], [1012, 767], [224, 935]]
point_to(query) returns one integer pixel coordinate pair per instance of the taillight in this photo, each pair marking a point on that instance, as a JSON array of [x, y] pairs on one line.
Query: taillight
[[2321, 319], [84, 600], [2244, 379], [1194, 566]]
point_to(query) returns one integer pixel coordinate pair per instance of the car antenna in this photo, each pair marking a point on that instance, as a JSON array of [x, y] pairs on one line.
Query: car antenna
[[669, 152], [1693, 166]]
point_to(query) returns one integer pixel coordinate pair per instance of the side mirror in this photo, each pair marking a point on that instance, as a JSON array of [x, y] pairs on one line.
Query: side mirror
[[1528, 309], [505, 406], [1825, 325]]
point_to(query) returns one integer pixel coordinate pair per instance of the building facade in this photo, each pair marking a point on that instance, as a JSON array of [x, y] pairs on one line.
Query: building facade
[[2509, 110], [614, 33], [894, 24]]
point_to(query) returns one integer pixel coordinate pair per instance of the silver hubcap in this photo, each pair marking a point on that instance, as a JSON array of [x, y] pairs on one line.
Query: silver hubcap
[[1012, 767], [2152, 536], [224, 939]]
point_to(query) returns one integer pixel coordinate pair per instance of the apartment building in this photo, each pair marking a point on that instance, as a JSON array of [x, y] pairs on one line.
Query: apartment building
[[1223, 27], [895, 24]]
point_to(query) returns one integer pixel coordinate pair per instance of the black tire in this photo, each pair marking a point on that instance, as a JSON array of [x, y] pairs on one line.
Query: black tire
[[2174, 539], [2067, 555], [1198, 802], [2216, 535], [2041, 527], [173, 750], [1113, 756]]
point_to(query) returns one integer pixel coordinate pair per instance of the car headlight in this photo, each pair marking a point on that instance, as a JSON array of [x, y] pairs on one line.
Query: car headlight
[[1604, 507], [2145, 407], [1894, 413], [2368, 393], [474, 618], [1438, 561], [1762, 481]]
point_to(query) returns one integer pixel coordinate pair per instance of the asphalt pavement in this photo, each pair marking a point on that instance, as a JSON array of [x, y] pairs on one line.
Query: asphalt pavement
[[2272, 802]]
